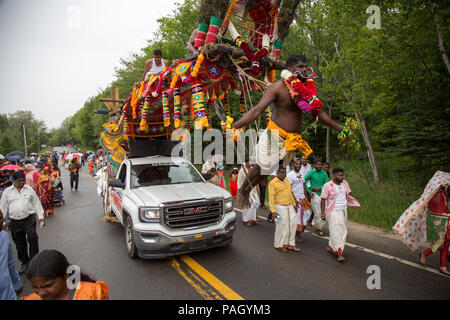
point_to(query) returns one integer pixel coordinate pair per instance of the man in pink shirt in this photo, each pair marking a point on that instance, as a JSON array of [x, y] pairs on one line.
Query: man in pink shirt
[[337, 196]]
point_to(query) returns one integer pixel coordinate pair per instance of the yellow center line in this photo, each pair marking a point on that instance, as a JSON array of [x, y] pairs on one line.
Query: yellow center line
[[198, 287], [221, 287], [88, 176]]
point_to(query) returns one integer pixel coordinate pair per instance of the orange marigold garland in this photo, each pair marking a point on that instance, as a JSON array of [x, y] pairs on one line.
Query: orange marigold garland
[[166, 109]]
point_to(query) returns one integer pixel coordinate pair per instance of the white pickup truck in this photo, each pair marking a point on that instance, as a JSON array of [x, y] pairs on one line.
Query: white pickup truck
[[167, 208]]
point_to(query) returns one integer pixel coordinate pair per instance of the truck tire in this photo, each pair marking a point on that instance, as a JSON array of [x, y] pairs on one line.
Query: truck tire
[[129, 239]]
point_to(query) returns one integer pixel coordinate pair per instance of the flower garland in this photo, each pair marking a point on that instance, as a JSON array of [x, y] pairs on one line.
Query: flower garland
[[125, 111], [345, 134], [143, 126], [201, 121], [304, 94], [177, 108], [166, 109], [197, 66]]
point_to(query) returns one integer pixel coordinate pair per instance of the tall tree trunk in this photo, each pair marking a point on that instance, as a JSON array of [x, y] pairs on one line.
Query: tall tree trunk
[[365, 132], [440, 36], [370, 153]]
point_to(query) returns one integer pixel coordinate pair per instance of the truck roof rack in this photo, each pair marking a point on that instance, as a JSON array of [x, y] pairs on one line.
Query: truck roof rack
[[146, 148]]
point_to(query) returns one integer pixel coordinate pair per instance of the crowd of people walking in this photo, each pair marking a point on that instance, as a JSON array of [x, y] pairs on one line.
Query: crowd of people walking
[[29, 190], [298, 197]]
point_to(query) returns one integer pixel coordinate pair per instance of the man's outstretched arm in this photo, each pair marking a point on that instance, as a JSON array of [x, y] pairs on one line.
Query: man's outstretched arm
[[326, 120], [254, 113]]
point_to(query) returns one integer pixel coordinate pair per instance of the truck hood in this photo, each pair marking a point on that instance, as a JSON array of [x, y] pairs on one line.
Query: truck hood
[[156, 195]]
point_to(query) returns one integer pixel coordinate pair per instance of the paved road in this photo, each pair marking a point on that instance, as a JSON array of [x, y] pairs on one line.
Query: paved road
[[249, 268]]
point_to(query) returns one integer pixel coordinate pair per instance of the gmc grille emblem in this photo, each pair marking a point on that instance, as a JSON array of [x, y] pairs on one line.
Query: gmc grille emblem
[[198, 210]]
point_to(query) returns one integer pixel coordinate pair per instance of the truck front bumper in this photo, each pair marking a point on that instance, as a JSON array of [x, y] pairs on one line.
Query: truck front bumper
[[158, 245]]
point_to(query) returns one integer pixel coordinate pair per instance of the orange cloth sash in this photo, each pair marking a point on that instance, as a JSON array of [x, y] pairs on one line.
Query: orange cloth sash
[[294, 141]]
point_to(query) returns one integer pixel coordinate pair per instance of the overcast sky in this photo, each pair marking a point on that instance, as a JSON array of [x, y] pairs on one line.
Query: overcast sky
[[55, 54]]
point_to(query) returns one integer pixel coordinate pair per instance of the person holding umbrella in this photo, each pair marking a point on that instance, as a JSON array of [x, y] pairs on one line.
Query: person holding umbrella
[[74, 168]]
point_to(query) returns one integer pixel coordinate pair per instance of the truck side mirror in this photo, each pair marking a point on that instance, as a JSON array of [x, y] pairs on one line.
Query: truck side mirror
[[207, 176], [116, 183]]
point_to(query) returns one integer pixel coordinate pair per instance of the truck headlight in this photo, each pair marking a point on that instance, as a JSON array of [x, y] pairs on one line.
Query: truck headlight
[[147, 214], [228, 205]]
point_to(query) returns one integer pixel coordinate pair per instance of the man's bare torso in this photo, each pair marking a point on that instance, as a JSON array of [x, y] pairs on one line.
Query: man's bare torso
[[285, 112]]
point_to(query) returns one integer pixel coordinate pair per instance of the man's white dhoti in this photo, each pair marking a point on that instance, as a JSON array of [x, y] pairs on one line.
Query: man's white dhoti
[[286, 229], [302, 215], [249, 214], [337, 224], [270, 150], [317, 222]]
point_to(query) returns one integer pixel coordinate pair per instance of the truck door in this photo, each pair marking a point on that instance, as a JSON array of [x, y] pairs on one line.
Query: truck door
[[117, 193]]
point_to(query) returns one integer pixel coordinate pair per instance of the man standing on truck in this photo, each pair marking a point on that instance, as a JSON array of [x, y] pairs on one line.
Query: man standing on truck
[[155, 65]]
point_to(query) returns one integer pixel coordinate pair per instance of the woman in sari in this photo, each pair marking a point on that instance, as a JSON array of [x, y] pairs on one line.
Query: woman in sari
[[220, 171], [438, 228], [45, 190], [32, 176], [55, 174], [49, 274], [233, 182], [428, 220]]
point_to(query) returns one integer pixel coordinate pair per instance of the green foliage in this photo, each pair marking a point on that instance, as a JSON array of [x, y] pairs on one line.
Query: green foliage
[[394, 77], [12, 136]]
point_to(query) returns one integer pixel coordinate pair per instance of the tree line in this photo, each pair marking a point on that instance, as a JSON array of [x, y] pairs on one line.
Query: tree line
[[394, 80]]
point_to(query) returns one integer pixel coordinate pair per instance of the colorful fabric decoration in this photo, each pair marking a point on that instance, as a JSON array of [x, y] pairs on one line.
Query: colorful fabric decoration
[[345, 135], [110, 141], [213, 31], [201, 35], [145, 113], [412, 224], [262, 13], [166, 109], [177, 108], [201, 121]]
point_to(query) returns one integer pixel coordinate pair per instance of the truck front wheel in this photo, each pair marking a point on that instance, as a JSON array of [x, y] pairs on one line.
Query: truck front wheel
[[129, 238]]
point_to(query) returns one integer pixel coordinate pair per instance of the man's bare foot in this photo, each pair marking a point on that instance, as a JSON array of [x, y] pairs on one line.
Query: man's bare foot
[[341, 258], [248, 224], [282, 249], [294, 248]]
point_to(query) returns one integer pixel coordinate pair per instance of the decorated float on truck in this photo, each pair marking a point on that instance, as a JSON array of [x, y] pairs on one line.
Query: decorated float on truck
[[187, 94]]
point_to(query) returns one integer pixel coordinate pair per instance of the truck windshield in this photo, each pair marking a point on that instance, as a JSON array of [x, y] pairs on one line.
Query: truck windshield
[[145, 175]]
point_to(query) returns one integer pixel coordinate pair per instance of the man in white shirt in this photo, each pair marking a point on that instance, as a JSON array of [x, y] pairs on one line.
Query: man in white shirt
[[19, 205], [297, 181], [154, 66], [305, 168], [335, 198]]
